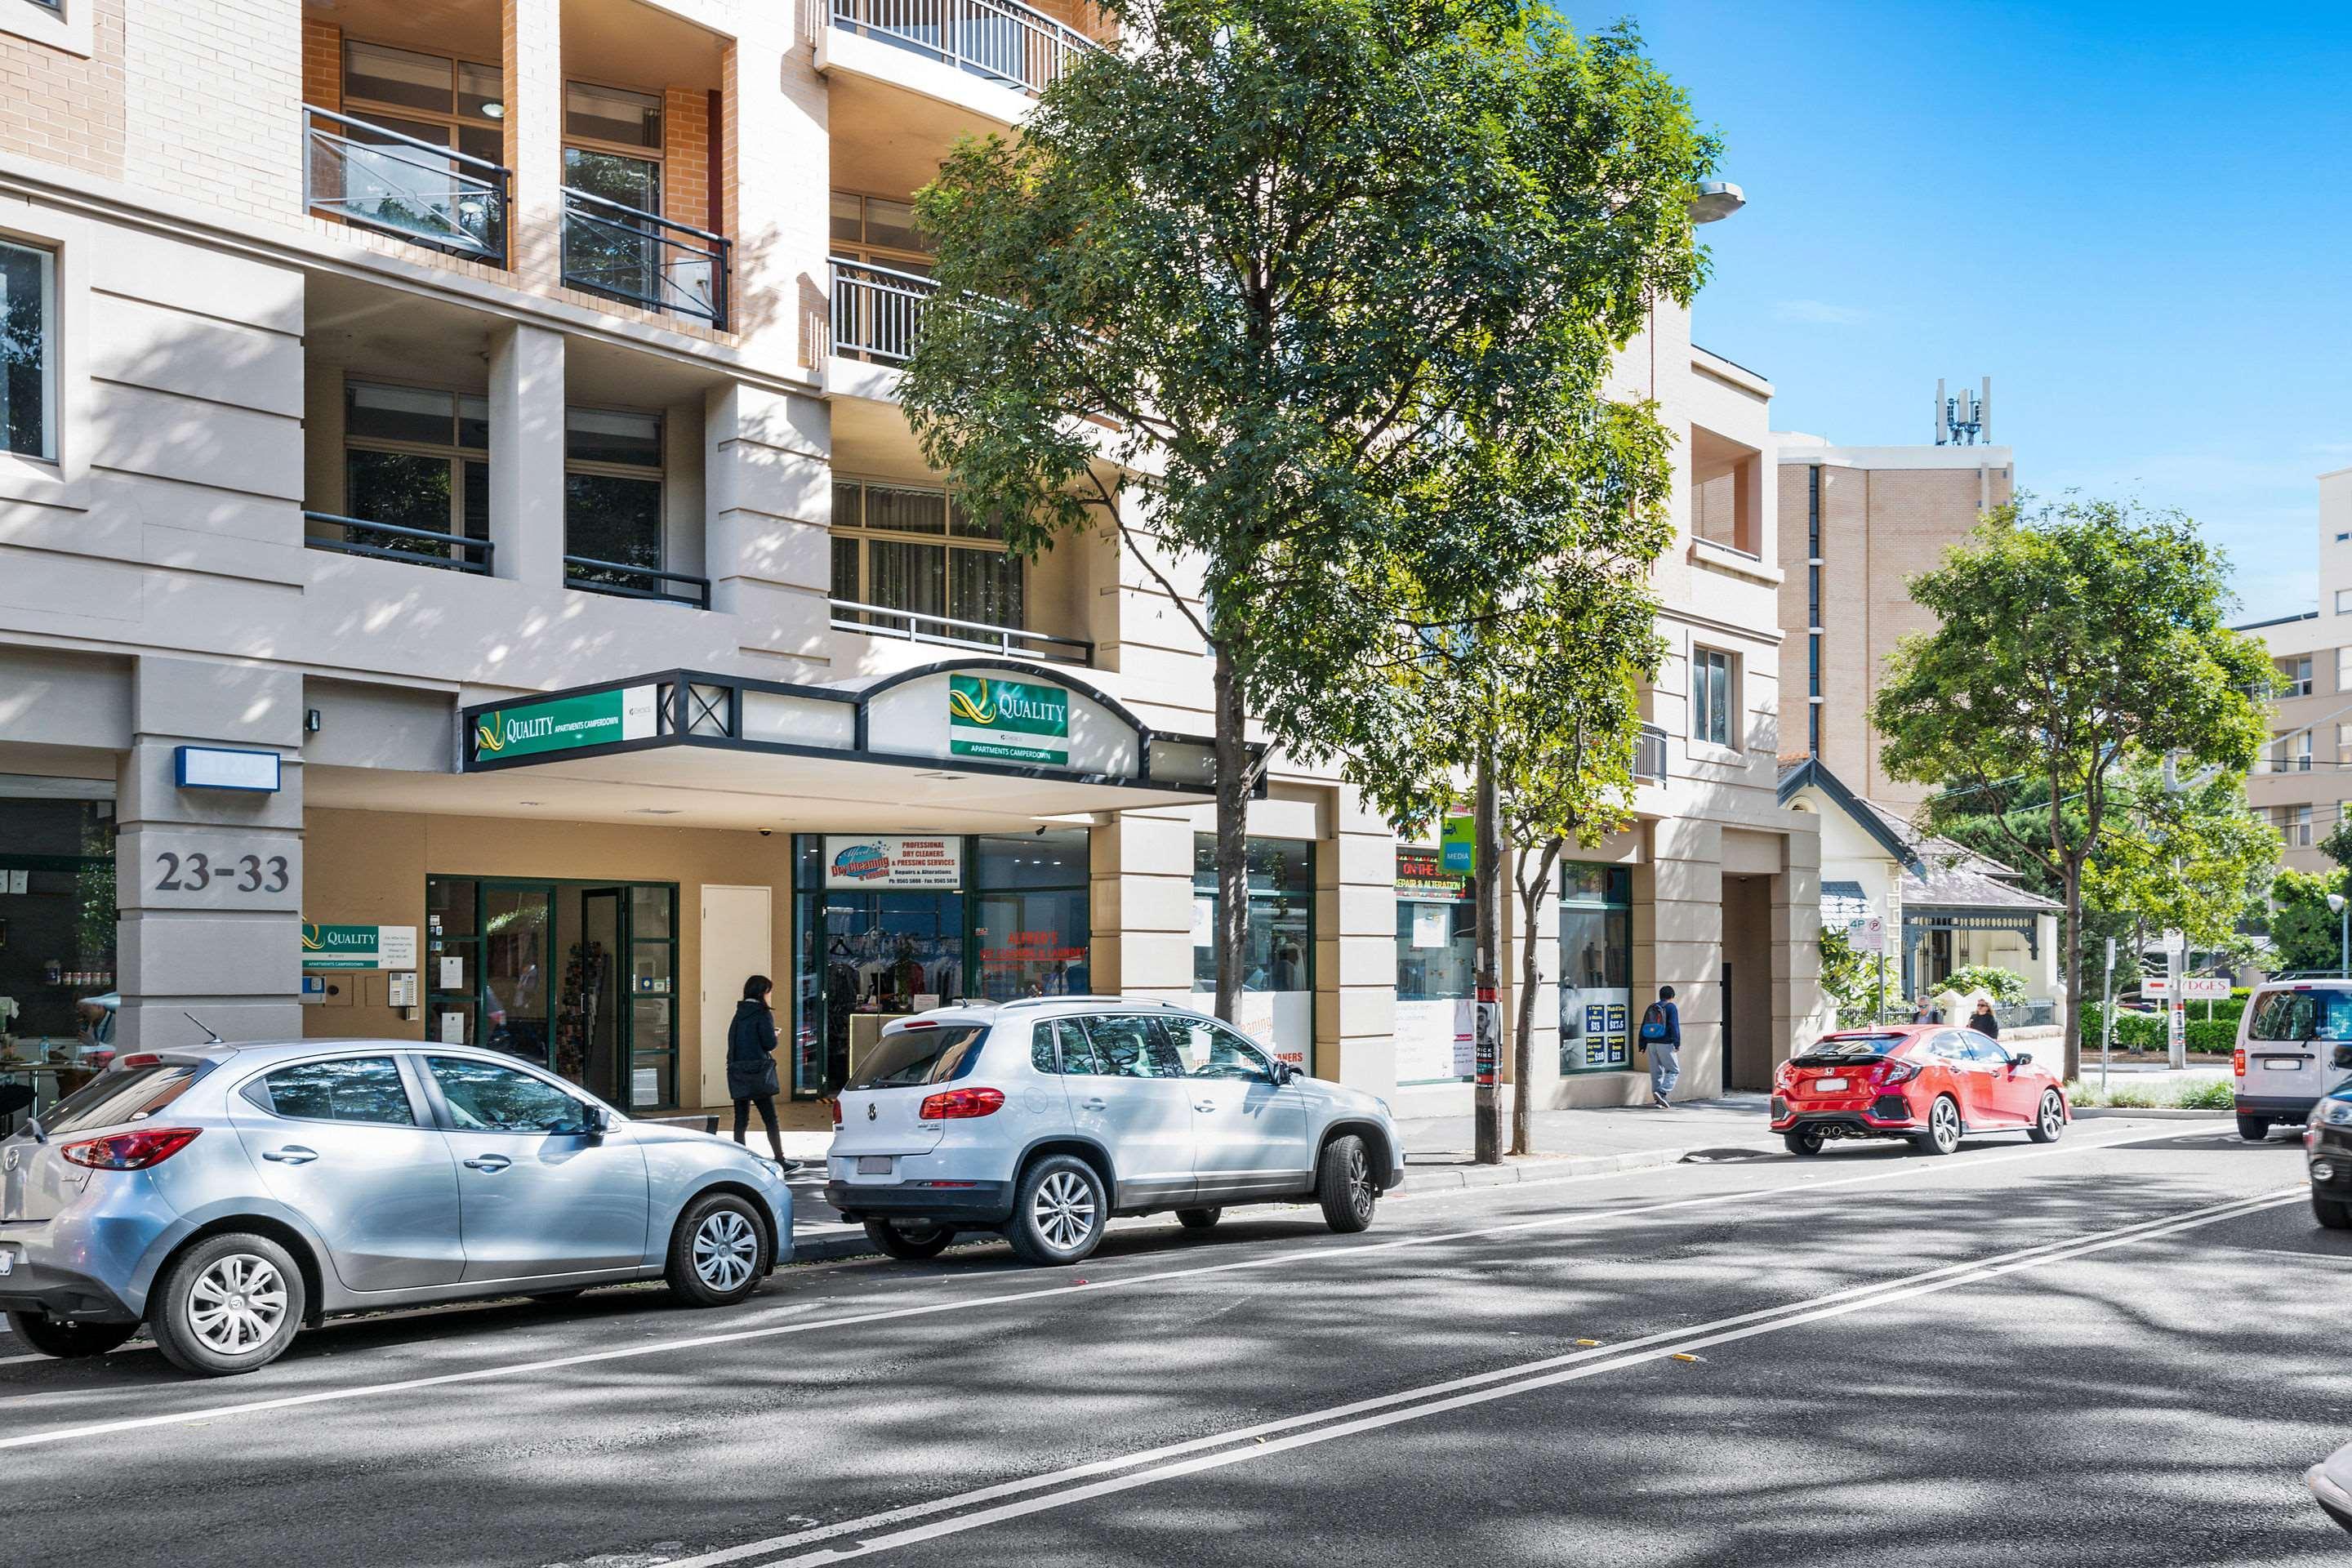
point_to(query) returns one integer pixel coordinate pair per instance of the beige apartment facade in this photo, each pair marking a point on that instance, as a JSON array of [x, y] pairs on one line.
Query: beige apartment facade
[[464, 575], [2302, 784], [1856, 524]]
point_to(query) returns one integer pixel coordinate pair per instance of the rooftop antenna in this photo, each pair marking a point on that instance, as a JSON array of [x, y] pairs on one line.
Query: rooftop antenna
[[1961, 419]]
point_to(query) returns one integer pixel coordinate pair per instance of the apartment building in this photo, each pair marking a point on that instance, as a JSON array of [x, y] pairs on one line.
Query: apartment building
[[464, 575], [2302, 783]]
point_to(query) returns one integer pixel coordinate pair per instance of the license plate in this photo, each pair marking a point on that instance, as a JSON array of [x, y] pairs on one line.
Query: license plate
[[874, 1165], [1826, 1084], [2281, 1064]]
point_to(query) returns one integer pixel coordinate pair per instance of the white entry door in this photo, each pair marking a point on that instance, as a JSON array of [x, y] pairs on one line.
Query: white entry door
[[738, 941]]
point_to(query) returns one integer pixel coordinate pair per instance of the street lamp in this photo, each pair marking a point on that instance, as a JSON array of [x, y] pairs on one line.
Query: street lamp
[[1716, 200], [2344, 952]]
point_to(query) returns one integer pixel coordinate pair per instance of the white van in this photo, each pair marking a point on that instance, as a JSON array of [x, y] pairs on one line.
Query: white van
[[2295, 1047]]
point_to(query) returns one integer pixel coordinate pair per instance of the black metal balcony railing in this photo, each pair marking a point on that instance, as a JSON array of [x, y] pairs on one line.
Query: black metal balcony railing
[[625, 581], [433, 195], [389, 542], [644, 258], [1001, 40], [1650, 753], [913, 625], [877, 310]]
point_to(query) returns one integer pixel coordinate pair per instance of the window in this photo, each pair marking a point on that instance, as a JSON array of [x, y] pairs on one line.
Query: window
[[1984, 1048], [2299, 1016], [1813, 513], [914, 1057], [2294, 825], [113, 1098], [1281, 940], [28, 335], [1078, 1053], [1814, 666], [1436, 927], [1131, 1047], [1596, 968], [1713, 692], [1813, 730], [416, 458], [2293, 677], [2291, 752], [2344, 670], [881, 231], [901, 548], [1812, 595], [354, 1088], [434, 98], [2344, 742], [613, 497], [484, 1097], [1209, 1049], [1032, 920], [2344, 601], [612, 151]]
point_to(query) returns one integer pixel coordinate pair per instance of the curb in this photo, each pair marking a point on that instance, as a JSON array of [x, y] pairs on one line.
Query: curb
[[2150, 1113], [1418, 1179]]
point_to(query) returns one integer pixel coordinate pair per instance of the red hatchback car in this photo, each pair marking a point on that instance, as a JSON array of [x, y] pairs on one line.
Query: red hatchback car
[[1930, 1083]]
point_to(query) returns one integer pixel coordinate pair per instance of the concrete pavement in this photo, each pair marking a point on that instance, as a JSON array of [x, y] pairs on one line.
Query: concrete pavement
[[2116, 1350]]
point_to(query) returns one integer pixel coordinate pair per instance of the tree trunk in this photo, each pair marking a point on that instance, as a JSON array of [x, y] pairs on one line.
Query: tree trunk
[[1523, 1042], [2070, 943], [1232, 783], [1491, 937]]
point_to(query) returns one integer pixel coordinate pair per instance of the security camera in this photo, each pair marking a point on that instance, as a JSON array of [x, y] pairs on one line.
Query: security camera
[[764, 832]]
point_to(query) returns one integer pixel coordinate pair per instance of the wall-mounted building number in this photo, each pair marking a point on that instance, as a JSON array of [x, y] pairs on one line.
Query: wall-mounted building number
[[195, 871]]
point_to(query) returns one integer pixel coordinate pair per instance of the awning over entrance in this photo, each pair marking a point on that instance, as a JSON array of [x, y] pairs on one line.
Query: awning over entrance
[[970, 743]]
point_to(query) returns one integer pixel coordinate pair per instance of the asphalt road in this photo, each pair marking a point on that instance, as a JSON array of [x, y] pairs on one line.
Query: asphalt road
[[2120, 1350]]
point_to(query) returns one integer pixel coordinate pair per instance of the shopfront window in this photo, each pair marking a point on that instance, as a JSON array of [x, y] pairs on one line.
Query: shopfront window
[[1596, 968], [1277, 1001], [57, 921], [1034, 929], [1436, 938]]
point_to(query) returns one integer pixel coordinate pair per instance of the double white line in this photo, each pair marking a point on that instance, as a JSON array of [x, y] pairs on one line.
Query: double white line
[[1061, 1488]]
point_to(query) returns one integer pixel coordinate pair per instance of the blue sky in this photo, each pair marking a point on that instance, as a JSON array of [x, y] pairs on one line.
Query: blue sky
[[2134, 218]]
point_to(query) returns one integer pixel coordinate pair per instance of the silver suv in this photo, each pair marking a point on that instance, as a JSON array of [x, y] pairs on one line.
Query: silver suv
[[230, 1195], [1043, 1119]]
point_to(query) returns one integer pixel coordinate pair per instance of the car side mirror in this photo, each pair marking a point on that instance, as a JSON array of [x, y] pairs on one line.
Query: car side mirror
[[1283, 1073], [595, 1123], [2021, 1058]]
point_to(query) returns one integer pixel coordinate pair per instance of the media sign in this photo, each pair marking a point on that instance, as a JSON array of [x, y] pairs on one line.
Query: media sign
[[1008, 720]]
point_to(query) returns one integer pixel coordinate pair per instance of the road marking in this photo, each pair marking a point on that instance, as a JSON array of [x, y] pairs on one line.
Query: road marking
[[1321, 1253], [1505, 1383]]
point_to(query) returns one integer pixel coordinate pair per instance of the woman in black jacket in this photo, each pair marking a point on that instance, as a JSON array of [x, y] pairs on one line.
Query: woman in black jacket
[[1983, 1022], [752, 1063]]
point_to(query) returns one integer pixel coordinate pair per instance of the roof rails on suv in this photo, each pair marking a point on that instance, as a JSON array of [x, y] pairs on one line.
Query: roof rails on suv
[[1056, 1001]]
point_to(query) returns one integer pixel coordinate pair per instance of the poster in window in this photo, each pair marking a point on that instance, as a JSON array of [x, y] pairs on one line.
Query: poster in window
[[1433, 925]]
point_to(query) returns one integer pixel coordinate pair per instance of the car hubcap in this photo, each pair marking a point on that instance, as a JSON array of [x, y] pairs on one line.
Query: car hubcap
[[1948, 1124], [1359, 1183], [2052, 1119], [726, 1249], [237, 1303], [1064, 1210]]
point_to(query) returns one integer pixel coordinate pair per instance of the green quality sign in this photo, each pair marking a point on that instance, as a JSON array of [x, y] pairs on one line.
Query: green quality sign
[[565, 724], [358, 947], [1008, 720]]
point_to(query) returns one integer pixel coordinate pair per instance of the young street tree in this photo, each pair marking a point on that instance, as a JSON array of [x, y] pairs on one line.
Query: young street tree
[[2072, 644], [1297, 295]]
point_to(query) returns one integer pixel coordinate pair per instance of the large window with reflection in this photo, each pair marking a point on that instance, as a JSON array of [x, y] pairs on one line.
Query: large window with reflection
[[612, 498], [1596, 968], [903, 547], [1277, 987], [415, 457]]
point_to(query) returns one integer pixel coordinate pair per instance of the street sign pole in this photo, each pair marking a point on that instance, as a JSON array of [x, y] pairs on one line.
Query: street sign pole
[[2106, 1017]]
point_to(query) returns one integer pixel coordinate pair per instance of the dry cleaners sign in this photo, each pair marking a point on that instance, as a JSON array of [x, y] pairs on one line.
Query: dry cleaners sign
[[565, 724], [1008, 720], [893, 860]]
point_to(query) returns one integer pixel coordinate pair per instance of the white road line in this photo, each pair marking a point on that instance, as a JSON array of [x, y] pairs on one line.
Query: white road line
[[1349, 1420], [1322, 1253]]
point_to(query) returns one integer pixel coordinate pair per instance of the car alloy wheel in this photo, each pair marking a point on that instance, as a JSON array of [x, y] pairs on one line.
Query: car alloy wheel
[[1360, 1193], [1944, 1126], [1062, 1210], [2053, 1120], [237, 1303], [726, 1249]]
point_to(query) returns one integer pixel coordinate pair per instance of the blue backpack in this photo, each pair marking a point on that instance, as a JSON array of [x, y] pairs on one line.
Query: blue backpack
[[1653, 1022]]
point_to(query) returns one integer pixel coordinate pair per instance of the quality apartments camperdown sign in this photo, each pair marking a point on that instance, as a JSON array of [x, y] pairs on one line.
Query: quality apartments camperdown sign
[[1008, 720], [564, 724]]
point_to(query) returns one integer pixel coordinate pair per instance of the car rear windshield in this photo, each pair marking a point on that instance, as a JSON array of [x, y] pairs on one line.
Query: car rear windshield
[[1851, 1048], [2318, 1014], [124, 1094], [911, 1057]]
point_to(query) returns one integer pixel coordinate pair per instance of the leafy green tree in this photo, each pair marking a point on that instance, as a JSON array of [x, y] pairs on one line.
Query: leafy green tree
[[2338, 845], [1864, 987], [2072, 642], [2305, 932], [1298, 299], [2005, 987], [2187, 859]]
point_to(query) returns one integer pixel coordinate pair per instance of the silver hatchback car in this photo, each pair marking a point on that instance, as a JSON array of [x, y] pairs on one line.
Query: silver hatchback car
[[228, 1196], [1042, 1119]]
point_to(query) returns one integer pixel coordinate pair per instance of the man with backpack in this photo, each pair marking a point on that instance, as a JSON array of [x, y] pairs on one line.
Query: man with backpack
[[1662, 1036]]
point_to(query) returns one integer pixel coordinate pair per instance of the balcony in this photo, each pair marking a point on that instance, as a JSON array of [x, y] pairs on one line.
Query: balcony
[[389, 541], [877, 312], [1650, 754], [997, 40], [625, 254], [381, 179], [624, 580], [910, 626]]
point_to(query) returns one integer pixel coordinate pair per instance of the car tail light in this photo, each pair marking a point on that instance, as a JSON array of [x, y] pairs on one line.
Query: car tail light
[[141, 1059], [959, 1102], [836, 1103], [2238, 1062], [1898, 1072], [130, 1151]]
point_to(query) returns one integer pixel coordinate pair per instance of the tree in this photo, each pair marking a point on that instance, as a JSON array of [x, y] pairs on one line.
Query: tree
[[2071, 643], [2191, 859], [1864, 987], [2338, 845], [2005, 987], [1300, 294], [2305, 932]]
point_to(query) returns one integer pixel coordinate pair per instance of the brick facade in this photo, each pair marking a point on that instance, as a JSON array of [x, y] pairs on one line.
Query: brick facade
[[66, 109], [323, 65]]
